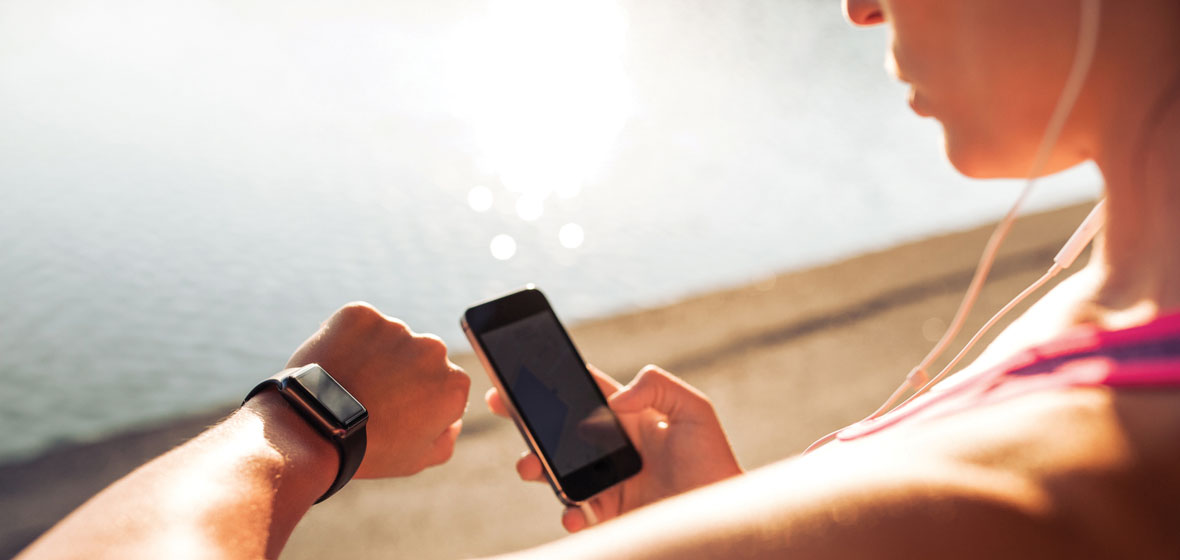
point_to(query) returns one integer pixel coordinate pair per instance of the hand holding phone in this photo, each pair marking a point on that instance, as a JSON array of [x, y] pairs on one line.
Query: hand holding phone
[[675, 429], [559, 409]]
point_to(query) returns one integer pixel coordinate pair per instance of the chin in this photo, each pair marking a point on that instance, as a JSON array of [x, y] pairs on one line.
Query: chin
[[988, 155], [982, 160], [975, 165]]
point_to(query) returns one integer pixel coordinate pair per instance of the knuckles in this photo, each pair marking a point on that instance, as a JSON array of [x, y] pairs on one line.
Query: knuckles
[[456, 390], [445, 453], [431, 345], [459, 382], [358, 312], [365, 317], [423, 355]]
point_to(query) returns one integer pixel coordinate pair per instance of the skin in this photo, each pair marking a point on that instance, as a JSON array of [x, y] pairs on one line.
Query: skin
[[1125, 121], [239, 489], [1091, 472], [977, 78], [675, 429]]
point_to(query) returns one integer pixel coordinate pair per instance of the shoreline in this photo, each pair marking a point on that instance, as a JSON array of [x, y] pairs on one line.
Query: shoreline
[[758, 349]]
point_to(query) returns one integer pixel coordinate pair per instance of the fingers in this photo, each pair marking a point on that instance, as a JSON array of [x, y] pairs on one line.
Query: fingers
[[657, 389], [529, 468], [414, 394], [452, 432], [444, 445], [431, 347], [495, 404], [573, 520], [606, 383]]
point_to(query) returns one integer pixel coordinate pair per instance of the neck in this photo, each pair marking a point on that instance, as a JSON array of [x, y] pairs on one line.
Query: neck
[[1137, 259]]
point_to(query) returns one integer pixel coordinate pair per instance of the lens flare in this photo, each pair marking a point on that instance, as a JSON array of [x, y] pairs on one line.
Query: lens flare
[[530, 208], [571, 236], [480, 199], [542, 87], [503, 247]]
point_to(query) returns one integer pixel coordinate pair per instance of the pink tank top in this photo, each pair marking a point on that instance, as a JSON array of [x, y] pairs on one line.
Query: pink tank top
[[1145, 356]]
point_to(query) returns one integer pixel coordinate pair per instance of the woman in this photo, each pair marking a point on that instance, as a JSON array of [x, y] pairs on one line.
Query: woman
[[1060, 441], [1072, 463]]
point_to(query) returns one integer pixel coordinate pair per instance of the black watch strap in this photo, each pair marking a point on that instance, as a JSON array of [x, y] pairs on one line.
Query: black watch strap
[[349, 437], [352, 452]]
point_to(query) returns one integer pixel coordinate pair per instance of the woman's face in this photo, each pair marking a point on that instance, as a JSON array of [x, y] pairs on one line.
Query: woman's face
[[990, 71]]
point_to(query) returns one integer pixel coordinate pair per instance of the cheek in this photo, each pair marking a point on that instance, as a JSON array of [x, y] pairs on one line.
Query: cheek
[[1005, 85]]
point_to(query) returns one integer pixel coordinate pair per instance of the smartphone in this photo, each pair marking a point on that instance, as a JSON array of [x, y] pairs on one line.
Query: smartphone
[[551, 395]]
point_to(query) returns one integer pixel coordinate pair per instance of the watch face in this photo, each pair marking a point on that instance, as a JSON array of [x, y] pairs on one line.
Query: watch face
[[345, 409]]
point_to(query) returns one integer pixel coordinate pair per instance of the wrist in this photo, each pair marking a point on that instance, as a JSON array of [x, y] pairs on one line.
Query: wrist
[[307, 460]]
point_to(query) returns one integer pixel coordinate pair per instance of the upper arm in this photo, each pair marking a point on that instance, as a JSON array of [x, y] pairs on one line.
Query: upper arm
[[820, 508], [1040, 479]]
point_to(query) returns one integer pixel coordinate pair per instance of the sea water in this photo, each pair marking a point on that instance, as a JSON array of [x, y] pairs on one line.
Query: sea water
[[188, 188]]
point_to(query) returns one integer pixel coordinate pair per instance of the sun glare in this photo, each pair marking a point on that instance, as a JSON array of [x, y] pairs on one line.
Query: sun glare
[[530, 207], [543, 88]]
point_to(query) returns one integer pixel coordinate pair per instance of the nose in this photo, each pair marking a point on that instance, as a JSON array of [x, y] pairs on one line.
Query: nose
[[864, 12]]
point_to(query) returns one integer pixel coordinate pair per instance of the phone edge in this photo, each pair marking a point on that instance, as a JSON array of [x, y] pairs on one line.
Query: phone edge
[[550, 475]]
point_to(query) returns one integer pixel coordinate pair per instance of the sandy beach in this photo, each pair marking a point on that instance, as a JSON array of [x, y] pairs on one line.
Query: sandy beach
[[786, 360]]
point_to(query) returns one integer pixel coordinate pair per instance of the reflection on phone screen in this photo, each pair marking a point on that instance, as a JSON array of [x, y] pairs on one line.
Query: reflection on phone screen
[[552, 392]]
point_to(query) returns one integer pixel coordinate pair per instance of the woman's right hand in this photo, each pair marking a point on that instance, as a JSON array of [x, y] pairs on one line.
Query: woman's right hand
[[675, 429]]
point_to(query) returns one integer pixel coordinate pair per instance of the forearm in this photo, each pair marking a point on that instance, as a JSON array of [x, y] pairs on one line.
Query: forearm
[[239, 489], [235, 491], [836, 507]]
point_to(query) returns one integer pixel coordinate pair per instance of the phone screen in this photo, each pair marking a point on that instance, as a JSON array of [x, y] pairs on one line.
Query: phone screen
[[546, 380], [556, 402]]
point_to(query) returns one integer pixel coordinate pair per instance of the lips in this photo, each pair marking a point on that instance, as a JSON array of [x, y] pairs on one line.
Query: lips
[[916, 103], [893, 68]]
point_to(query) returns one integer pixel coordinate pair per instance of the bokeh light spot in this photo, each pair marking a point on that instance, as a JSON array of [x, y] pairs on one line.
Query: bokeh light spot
[[571, 236], [543, 90], [480, 199], [503, 247], [530, 208], [568, 190]]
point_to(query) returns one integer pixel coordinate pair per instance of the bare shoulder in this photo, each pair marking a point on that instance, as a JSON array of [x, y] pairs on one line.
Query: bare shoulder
[[1087, 473], [1102, 463]]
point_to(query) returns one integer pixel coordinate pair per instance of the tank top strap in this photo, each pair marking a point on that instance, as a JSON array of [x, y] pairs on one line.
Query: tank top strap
[[1144, 356]]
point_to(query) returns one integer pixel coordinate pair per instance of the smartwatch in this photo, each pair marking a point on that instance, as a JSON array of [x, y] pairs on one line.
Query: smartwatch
[[330, 409]]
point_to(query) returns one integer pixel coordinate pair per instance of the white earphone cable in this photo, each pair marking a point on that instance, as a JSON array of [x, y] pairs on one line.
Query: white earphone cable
[[918, 379]]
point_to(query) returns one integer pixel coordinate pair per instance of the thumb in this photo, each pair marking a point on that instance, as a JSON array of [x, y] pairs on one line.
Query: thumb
[[656, 389]]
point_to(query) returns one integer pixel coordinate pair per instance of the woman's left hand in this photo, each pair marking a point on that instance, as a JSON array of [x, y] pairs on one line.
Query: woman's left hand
[[675, 429]]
